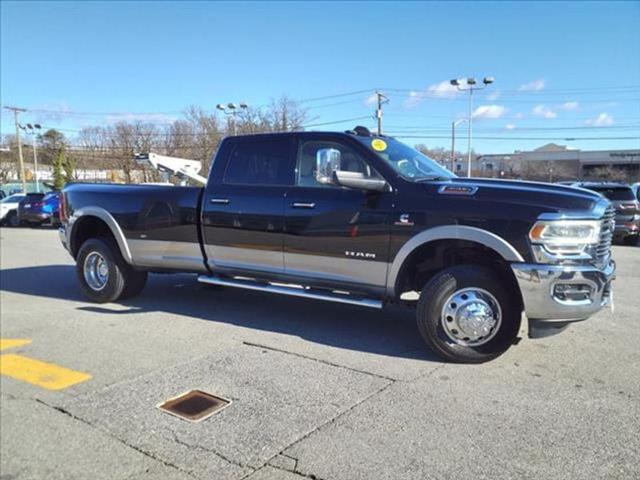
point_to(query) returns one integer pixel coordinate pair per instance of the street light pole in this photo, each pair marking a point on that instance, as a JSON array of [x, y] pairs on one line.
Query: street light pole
[[35, 164], [232, 109], [32, 130], [470, 128], [453, 142], [470, 82]]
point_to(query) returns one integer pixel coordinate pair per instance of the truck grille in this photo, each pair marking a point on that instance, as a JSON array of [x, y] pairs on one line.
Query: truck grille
[[603, 249]]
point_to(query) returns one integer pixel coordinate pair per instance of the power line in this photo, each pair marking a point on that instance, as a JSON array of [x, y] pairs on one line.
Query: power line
[[522, 129], [337, 95], [586, 90], [565, 139], [338, 121]]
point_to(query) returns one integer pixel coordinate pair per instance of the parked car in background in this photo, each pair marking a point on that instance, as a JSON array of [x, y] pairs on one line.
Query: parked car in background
[[51, 208], [30, 210], [9, 209], [625, 201], [40, 208]]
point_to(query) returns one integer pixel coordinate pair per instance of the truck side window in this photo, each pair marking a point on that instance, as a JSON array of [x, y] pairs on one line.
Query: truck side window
[[351, 161], [259, 163]]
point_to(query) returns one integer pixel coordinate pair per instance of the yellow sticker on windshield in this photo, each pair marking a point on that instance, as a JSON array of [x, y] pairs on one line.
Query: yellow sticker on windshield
[[379, 145]]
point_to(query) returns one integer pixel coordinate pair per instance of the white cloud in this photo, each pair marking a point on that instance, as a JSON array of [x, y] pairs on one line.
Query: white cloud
[[569, 106], [602, 120], [510, 126], [533, 86], [494, 95], [489, 111], [56, 111], [371, 99], [543, 111], [414, 99], [438, 90], [518, 115], [443, 89]]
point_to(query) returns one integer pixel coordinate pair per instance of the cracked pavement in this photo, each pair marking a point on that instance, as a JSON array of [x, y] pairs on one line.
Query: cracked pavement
[[318, 390]]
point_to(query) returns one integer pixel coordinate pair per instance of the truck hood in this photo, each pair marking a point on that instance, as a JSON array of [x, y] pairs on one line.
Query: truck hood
[[535, 195]]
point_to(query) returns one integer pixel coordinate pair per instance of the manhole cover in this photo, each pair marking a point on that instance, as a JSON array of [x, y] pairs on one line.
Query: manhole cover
[[194, 405]]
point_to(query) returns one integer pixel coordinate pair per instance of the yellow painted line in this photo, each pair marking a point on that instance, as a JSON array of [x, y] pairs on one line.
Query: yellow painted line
[[42, 374], [13, 342]]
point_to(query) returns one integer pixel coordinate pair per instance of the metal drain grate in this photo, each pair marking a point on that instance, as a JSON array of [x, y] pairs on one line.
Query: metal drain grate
[[194, 405]]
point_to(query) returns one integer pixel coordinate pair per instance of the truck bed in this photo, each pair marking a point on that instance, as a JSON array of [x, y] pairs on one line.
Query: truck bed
[[159, 223]]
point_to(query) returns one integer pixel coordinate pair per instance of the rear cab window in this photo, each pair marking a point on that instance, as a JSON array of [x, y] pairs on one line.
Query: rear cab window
[[260, 162]]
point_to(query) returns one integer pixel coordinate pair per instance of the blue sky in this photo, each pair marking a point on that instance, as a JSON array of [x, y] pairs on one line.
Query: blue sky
[[562, 70]]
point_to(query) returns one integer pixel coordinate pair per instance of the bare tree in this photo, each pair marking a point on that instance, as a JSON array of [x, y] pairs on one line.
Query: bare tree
[[610, 174]]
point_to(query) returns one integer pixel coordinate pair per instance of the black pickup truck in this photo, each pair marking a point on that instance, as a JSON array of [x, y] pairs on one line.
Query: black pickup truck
[[359, 219]]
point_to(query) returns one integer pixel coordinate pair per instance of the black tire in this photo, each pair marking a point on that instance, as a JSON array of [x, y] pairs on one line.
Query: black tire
[[632, 240], [11, 219], [432, 302], [135, 283], [120, 276]]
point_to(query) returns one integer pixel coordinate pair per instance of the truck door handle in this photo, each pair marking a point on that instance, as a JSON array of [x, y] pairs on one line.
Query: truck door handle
[[303, 205], [222, 201]]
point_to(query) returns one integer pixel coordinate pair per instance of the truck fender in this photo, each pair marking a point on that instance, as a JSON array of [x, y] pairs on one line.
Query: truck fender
[[107, 218], [450, 232]]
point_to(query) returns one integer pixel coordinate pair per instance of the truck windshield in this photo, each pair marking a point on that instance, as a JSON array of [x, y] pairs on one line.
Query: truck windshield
[[406, 161]]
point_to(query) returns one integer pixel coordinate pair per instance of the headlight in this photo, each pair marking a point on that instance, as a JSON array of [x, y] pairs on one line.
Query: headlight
[[566, 237]]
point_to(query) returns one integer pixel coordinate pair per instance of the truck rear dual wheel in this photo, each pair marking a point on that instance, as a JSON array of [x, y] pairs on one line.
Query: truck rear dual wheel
[[103, 274], [466, 314]]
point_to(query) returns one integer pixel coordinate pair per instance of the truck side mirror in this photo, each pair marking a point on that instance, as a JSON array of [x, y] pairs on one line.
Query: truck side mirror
[[358, 181], [327, 162]]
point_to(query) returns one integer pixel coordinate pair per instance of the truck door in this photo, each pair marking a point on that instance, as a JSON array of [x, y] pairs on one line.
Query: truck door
[[335, 234], [243, 205]]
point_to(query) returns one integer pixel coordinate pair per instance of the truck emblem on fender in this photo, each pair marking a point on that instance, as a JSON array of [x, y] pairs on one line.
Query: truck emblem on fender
[[360, 254], [405, 219]]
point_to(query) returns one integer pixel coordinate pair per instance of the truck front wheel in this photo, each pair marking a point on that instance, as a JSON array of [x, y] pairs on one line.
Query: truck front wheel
[[466, 314], [103, 274]]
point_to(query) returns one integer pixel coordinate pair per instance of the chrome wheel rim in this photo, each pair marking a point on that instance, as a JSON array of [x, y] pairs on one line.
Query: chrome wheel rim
[[96, 271], [471, 317]]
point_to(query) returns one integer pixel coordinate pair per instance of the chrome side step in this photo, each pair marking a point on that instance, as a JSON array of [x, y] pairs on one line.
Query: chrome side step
[[293, 291]]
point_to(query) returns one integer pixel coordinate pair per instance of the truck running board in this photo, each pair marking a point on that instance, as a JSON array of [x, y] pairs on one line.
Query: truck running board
[[295, 291]]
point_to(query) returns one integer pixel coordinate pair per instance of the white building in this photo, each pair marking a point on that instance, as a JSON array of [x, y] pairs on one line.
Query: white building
[[571, 162]]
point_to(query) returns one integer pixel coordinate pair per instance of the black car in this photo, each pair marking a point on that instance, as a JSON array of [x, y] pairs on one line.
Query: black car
[[627, 207], [30, 210]]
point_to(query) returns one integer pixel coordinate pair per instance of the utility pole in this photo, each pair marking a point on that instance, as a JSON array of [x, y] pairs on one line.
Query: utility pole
[[16, 112], [470, 82], [381, 101]]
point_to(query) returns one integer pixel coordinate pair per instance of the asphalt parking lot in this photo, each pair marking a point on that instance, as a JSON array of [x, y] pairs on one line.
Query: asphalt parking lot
[[318, 390]]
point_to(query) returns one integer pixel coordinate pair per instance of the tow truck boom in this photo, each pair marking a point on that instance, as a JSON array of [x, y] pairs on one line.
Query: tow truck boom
[[182, 168]]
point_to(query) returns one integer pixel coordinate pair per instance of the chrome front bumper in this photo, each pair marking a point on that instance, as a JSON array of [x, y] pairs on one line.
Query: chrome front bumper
[[62, 233], [543, 290]]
